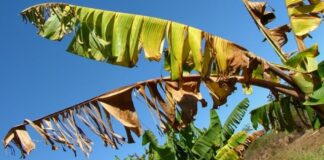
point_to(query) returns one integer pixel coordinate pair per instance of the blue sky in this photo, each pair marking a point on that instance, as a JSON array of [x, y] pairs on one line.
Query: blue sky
[[38, 76]]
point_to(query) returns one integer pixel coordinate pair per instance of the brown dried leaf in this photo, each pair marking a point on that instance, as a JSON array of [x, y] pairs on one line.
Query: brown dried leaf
[[63, 135], [81, 139], [186, 97], [100, 130], [259, 9], [23, 139], [8, 138], [230, 58], [219, 90], [262, 17], [37, 126], [279, 34], [152, 103], [120, 105], [61, 127]]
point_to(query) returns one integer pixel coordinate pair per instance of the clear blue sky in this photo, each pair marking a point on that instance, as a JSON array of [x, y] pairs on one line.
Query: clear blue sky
[[38, 76]]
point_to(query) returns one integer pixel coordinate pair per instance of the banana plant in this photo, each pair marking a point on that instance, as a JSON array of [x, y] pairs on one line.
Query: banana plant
[[286, 114], [118, 38], [195, 143]]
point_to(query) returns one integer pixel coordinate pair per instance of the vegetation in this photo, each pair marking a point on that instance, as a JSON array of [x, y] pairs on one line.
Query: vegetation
[[118, 39], [307, 144], [193, 143]]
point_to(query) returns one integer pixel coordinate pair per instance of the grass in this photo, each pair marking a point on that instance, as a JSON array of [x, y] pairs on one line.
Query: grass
[[287, 146]]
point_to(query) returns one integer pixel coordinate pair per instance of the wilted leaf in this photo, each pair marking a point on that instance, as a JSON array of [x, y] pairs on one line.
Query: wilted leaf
[[229, 57], [62, 127], [21, 139], [219, 91], [124, 110], [279, 34], [186, 97], [276, 37]]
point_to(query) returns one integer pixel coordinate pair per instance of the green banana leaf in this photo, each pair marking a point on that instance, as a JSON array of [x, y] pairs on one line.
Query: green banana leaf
[[235, 118], [118, 38], [211, 138]]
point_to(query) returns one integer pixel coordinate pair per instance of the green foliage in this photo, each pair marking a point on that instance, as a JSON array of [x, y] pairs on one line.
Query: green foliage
[[316, 98], [283, 115], [304, 61], [235, 118], [203, 148], [304, 18], [194, 143], [320, 70], [157, 152], [118, 38], [227, 152]]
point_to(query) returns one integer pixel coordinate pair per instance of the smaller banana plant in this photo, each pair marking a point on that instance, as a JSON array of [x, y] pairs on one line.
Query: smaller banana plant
[[195, 143]]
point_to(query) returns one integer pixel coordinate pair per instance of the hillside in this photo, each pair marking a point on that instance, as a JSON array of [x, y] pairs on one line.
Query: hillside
[[304, 145]]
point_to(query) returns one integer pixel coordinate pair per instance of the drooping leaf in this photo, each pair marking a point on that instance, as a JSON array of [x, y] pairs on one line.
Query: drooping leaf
[[177, 38], [124, 110], [186, 98], [118, 38], [219, 91], [63, 128], [279, 34], [21, 138], [122, 27], [207, 61], [276, 37], [134, 45], [152, 35], [195, 38], [229, 57]]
